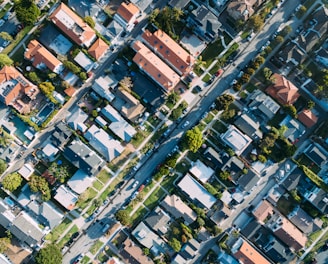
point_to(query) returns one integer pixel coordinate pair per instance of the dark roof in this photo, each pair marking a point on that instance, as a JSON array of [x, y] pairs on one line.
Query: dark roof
[[316, 155], [190, 249], [82, 157], [158, 221], [234, 165], [248, 181], [60, 135], [180, 4], [321, 201], [321, 16], [219, 159], [291, 53], [293, 179], [249, 125], [303, 221]]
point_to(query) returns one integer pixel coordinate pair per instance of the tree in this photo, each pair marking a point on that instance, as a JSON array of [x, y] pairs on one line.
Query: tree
[[224, 175], [126, 83], [193, 139], [146, 251], [210, 188], [89, 20], [4, 244], [175, 244], [5, 60], [267, 73], [310, 104], [255, 22], [199, 64], [287, 29], [34, 77], [12, 181], [40, 184], [302, 10], [47, 88], [290, 110], [83, 76], [173, 98], [50, 254], [279, 39], [262, 159], [260, 59], [94, 113], [250, 71], [72, 67], [228, 115], [163, 171], [97, 202], [200, 221], [171, 162], [224, 101], [123, 216], [52, 75], [6, 36], [176, 113], [3, 166], [245, 78], [27, 11]]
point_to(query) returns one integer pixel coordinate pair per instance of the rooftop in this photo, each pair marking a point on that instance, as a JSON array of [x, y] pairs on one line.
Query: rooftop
[[201, 171], [65, 197]]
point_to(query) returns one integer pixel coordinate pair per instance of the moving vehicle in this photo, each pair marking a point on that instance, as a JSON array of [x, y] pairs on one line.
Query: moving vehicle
[[185, 124]]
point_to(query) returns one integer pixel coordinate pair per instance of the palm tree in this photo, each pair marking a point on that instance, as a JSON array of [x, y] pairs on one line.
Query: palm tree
[[199, 63]]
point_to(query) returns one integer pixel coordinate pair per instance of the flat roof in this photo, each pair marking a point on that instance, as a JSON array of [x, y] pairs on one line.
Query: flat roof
[[235, 139], [201, 171]]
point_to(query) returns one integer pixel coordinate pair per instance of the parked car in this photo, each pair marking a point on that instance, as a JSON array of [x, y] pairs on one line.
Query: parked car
[[1, 22], [135, 184], [105, 228], [185, 124], [218, 73], [181, 90], [75, 235], [78, 258]]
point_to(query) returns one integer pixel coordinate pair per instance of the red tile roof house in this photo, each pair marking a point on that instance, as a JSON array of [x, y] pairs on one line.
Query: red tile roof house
[[169, 51], [73, 26], [42, 58], [98, 49], [126, 15], [283, 90], [15, 90], [154, 67], [308, 118]]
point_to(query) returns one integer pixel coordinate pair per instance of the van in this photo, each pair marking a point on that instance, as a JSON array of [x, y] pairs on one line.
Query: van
[[105, 228]]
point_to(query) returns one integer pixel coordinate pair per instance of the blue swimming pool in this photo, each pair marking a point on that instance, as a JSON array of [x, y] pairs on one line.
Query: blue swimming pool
[[45, 112]]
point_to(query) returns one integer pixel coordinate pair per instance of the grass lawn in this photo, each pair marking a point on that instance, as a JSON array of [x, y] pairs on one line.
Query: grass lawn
[[97, 185], [206, 78], [154, 120], [18, 38], [18, 55], [40, 167], [85, 260], [138, 215], [67, 236], [183, 166], [212, 51], [167, 183], [154, 198], [158, 133], [91, 194], [215, 68], [58, 230], [139, 138], [4, 10], [95, 247], [104, 176], [219, 127], [244, 34], [231, 50], [102, 257], [208, 118], [313, 237], [201, 126]]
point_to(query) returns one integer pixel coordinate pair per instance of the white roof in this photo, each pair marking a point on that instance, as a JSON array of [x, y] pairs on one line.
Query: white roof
[[50, 150], [147, 238], [101, 121], [196, 191], [235, 139], [226, 197], [102, 87], [26, 171], [84, 61], [76, 119], [65, 197], [80, 181], [201, 171]]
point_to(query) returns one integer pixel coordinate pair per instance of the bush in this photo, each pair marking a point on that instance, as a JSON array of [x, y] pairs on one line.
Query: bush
[[12, 181]]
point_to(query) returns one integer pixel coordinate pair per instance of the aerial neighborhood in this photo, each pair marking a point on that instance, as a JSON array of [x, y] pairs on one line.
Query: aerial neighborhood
[[163, 131]]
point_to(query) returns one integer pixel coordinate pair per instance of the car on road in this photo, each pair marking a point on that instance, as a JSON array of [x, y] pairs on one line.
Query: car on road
[[219, 73], [135, 184], [185, 111], [211, 80], [234, 81], [134, 195], [75, 236], [204, 115], [185, 124], [78, 258], [105, 228], [197, 89], [105, 201]]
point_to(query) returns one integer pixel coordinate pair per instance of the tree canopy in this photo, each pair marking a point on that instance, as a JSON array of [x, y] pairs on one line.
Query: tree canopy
[[224, 101], [193, 139], [3, 166], [175, 244], [5, 60], [123, 216], [255, 22], [4, 243], [50, 254], [27, 11], [6, 36], [40, 184], [89, 20], [12, 181]]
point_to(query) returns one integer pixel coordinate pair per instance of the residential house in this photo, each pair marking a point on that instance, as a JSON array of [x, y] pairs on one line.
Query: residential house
[[180, 4], [243, 9], [218, 159], [21, 225], [42, 58], [103, 86], [190, 249], [236, 140], [66, 197], [249, 125], [82, 157], [73, 26], [158, 220], [292, 180], [80, 181], [154, 67], [206, 25], [234, 166], [202, 172], [84, 61], [279, 225], [98, 49], [307, 117], [103, 143], [248, 181], [133, 254], [295, 130], [149, 239], [196, 192], [126, 15], [274, 194], [317, 197], [26, 171], [304, 221], [129, 106], [118, 125], [114, 31], [263, 239], [169, 51], [15, 90], [76, 120], [291, 54], [49, 152], [61, 135], [320, 18], [178, 209], [100, 121], [283, 90], [8, 153], [307, 40], [178, 259], [225, 258], [244, 252], [317, 154], [262, 105]]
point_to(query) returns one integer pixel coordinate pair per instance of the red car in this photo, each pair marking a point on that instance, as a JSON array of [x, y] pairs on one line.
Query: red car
[[218, 73]]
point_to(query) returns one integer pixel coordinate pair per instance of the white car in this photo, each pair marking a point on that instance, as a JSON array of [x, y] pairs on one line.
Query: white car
[[1, 22], [185, 124], [234, 81], [135, 184]]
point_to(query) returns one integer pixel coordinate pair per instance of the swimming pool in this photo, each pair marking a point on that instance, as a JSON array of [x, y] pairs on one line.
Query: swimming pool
[[45, 112]]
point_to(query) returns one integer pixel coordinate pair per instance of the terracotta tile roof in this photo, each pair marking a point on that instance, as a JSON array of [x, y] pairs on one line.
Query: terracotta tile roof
[[155, 67], [39, 54], [70, 91], [98, 49], [247, 254], [127, 11], [134, 253], [307, 117], [170, 51], [73, 25], [283, 90], [263, 210]]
